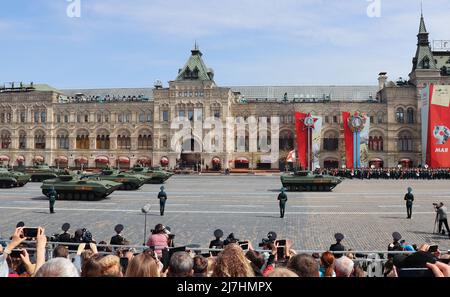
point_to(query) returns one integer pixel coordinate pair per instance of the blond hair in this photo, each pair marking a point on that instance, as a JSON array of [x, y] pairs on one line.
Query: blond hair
[[143, 265], [231, 262], [282, 272]]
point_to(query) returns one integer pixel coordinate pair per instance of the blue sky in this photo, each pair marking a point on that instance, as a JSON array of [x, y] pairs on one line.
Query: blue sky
[[133, 43]]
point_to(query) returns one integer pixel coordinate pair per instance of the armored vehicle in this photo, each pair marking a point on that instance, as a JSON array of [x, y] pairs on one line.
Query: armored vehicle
[[129, 181], [40, 173], [156, 175], [72, 187], [305, 181], [11, 179]]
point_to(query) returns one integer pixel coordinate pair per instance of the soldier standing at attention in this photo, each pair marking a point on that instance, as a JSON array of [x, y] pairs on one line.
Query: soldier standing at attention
[[409, 198], [52, 198], [162, 196], [282, 197]]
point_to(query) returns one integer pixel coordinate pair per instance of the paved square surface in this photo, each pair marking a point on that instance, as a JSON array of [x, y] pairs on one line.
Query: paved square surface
[[367, 212]]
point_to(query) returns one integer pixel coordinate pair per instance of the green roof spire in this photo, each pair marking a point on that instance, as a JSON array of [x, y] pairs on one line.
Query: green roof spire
[[195, 68]]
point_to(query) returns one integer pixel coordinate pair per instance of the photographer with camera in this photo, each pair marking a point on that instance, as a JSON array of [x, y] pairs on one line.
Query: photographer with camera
[[159, 239], [441, 212]]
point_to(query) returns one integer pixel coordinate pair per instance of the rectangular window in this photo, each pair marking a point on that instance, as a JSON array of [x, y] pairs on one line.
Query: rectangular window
[[165, 116], [43, 117], [335, 120], [23, 117], [66, 118], [86, 118], [106, 118], [99, 118], [120, 118], [58, 118], [191, 115], [327, 119], [198, 114], [181, 114], [149, 118], [141, 117], [78, 118], [36, 117]]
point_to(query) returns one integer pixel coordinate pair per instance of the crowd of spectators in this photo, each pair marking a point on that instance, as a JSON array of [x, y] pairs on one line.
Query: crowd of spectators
[[389, 173], [79, 255]]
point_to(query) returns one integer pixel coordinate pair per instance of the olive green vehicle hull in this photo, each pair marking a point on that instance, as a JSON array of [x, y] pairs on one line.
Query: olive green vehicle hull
[[12, 179], [129, 181], [155, 176], [76, 189], [310, 183], [41, 173]]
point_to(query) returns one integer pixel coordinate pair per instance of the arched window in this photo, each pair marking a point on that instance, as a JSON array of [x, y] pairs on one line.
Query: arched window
[[405, 142], [39, 140], [103, 141], [376, 143], [22, 140], [145, 140], [410, 116], [286, 141], [124, 140], [62, 140], [400, 115], [5, 139], [331, 142], [82, 140]]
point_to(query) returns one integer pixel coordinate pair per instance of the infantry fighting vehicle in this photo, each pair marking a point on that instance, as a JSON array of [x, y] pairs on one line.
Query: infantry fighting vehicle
[[40, 173], [72, 187], [11, 179], [129, 181], [306, 181], [156, 175]]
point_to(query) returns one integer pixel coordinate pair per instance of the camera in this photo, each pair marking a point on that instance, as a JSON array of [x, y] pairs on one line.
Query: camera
[[87, 236], [265, 242]]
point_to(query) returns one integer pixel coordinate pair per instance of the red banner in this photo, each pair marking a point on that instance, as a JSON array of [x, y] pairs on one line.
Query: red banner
[[438, 148], [302, 139], [348, 137]]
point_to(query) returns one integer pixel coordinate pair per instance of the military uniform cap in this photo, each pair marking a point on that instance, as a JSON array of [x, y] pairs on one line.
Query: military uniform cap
[[218, 233], [396, 236], [65, 227], [118, 228], [339, 236], [162, 188], [272, 235], [20, 224]]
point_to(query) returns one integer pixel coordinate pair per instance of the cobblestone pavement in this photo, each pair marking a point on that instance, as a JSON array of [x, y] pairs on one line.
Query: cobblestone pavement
[[367, 212]]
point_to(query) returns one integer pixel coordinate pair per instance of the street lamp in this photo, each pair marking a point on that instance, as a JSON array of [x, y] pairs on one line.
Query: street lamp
[[145, 210]]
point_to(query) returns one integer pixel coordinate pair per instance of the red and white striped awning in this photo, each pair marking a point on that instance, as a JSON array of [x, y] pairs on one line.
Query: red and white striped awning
[[144, 160], [124, 160], [215, 160], [62, 159], [242, 160], [102, 159], [164, 161], [291, 157], [38, 159], [81, 160], [4, 158], [20, 159]]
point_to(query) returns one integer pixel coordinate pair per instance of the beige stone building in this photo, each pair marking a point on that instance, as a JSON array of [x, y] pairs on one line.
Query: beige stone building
[[40, 124]]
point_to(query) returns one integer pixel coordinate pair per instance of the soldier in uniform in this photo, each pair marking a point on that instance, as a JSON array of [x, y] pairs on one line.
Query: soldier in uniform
[[162, 196], [217, 243], [395, 245], [282, 197], [52, 198], [338, 247], [409, 198], [118, 239]]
